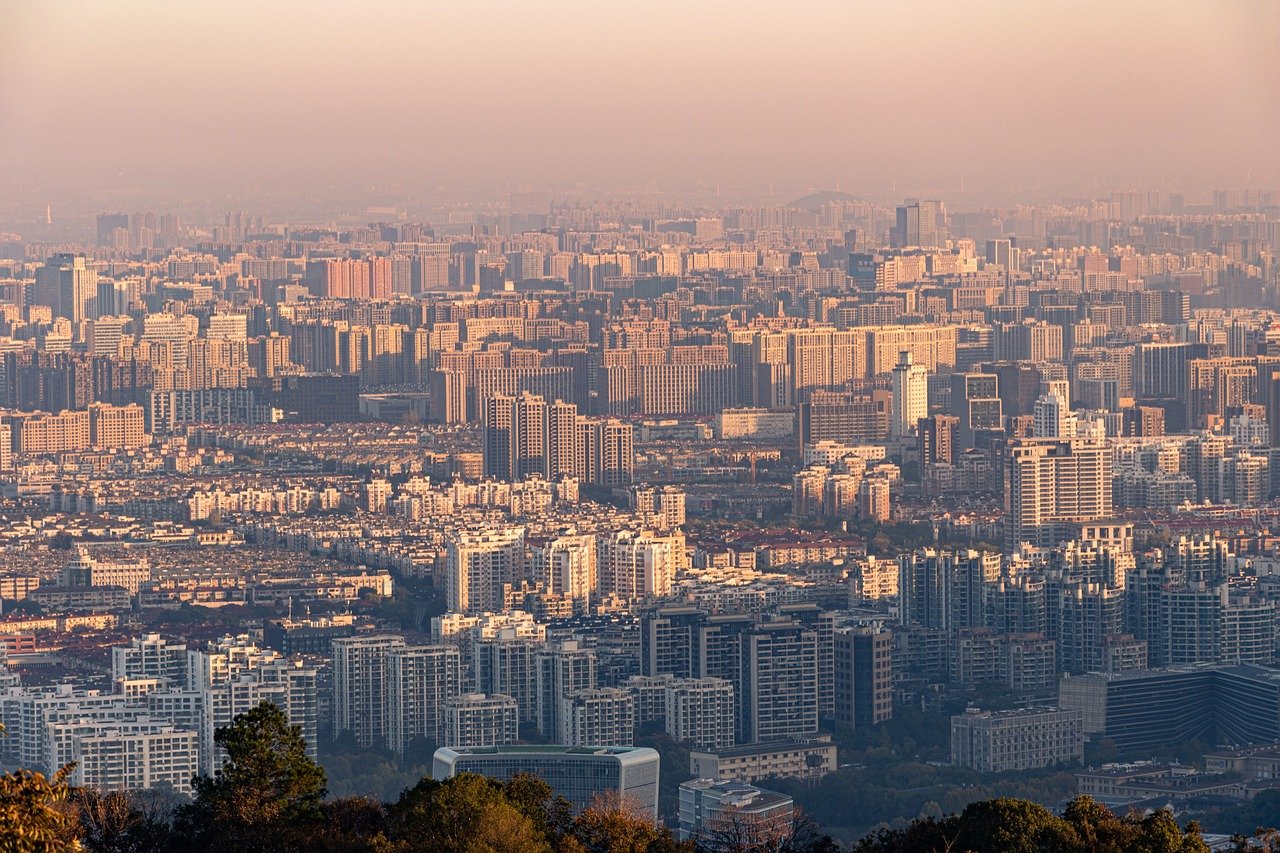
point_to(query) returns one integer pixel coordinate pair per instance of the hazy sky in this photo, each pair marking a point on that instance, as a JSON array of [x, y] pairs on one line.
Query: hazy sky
[[184, 96]]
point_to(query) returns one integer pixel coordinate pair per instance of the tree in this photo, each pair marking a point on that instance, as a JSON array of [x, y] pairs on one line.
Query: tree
[[269, 792], [465, 814], [34, 817], [613, 825]]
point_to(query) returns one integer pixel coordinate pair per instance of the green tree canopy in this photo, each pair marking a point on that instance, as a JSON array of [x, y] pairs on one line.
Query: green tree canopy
[[268, 794]]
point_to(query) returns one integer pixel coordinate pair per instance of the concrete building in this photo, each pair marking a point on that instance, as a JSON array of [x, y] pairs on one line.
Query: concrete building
[[1025, 739], [478, 564], [700, 712], [579, 774], [360, 674], [710, 809], [420, 681], [605, 715], [863, 676], [808, 758], [479, 720]]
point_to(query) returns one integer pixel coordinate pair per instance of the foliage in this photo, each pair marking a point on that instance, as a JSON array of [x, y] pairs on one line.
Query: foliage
[[33, 813], [1006, 825], [268, 793]]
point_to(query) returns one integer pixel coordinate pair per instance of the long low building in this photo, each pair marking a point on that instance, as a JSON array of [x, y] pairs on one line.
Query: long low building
[[1149, 709], [748, 762], [580, 774]]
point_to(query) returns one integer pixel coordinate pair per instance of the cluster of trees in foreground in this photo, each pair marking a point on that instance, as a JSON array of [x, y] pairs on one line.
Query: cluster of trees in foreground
[[271, 796]]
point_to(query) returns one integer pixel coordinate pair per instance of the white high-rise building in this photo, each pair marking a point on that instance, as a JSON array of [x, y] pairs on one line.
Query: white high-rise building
[[563, 669], [1052, 416], [360, 667], [420, 681], [478, 563], [150, 656], [567, 565], [1054, 482], [700, 712], [478, 720], [602, 717], [910, 401], [127, 755], [637, 565]]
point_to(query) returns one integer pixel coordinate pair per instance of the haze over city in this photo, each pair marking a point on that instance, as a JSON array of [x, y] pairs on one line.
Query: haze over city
[[353, 103]]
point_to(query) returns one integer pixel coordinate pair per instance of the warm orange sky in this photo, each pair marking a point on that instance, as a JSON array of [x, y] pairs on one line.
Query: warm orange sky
[[175, 96]]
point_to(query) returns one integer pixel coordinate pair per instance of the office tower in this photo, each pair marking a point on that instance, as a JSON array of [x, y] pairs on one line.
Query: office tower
[[863, 676], [1051, 483], [562, 670], [605, 716], [478, 564], [920, 224], [68, 286], [711, 809], [779, 694], [1160, 370], [1001, 253], [420, 681], [910, 400], [580, 775], [477, 720], [360, 670], [700, 712]]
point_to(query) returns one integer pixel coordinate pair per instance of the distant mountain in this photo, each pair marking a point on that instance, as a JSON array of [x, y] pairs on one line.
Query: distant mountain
[[813, 201]]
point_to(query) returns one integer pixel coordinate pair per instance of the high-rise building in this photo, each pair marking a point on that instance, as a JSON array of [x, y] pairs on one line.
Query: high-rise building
[[478, 564], [1052, 483], [420, 682], [562, 670], [477, 720], [863, 676], [779, 694], [68, 286], [910, 402], [603, 716], [700, 712], [360, 675]]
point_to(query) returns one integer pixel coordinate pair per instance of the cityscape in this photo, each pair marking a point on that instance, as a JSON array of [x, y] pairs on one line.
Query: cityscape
[[684, 504]]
